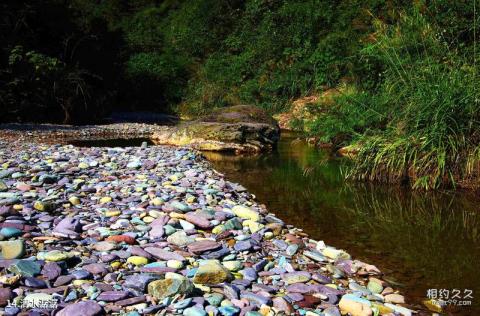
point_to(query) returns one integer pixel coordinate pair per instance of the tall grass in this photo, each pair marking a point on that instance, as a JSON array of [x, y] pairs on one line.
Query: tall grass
[[420, 126]]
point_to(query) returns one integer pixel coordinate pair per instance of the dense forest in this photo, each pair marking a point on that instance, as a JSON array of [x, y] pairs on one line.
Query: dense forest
[[403, 72]]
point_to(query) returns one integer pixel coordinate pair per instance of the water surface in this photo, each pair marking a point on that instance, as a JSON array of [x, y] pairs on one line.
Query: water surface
[[421, 241]]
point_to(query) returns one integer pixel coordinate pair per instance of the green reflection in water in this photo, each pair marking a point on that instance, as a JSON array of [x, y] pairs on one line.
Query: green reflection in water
[[421, 240]]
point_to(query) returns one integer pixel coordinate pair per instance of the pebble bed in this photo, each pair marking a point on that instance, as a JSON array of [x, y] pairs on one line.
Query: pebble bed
[[156, 231], [55, 133]]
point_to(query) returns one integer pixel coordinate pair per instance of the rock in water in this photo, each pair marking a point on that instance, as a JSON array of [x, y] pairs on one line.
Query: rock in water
[[240, 128]]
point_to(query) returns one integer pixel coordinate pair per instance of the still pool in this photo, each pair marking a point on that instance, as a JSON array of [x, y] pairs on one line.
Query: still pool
[[421, 241]]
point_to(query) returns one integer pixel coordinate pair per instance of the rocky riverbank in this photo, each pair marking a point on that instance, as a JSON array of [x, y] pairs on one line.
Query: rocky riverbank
[[151, 230], [54, 133], [239, 129]]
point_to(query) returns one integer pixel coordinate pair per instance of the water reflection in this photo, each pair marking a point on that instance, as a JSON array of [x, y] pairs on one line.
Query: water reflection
[[421, 240]]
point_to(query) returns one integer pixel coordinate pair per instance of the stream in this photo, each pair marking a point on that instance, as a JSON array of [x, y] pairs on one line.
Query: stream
[[421, 241]]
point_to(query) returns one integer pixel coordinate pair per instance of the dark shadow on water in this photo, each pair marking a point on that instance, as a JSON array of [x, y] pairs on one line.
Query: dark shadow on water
[[420, 240], [114, 142]]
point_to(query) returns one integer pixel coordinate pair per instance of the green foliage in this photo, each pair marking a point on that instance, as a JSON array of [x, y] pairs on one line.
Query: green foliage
[[144, 30], [404, 69], [163, 73], [420, 125]]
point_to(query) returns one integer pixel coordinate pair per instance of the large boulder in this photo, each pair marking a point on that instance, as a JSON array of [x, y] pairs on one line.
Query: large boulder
[[239, 129]]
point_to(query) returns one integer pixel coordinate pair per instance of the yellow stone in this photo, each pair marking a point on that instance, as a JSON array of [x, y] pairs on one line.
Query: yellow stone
[[18, 207], [246, 213], [176, 215], [56, 255], [83, 165], [137, 307], [10, 280], [112, 213], [106, 199], [203, 288], [252, 225], [268, 235], [233, 265], [176, 264], [157, 202], [335, 254], [155, 214], [191, 199], [265, 310], [137, 260], [81, 282], [333, 286], [148, 219], [218, 229], [74, 200], [116, 264], [40, 206], [382, 309], [433, 305]]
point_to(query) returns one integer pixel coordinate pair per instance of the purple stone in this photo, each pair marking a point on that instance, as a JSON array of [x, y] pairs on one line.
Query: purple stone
[[256, 299], [346, 266], [243, 245], [164, 254], [259, 287], [301, 288], [198, 220], [280, 244], [138, 282], [201, 246], [137, 251], [81, 274], [5, 295], [222, 216], [96, 268], [112, 296], [35, 283], [63, 279], [242, 283], [320, 278], [51, 270], [108, 257], [68, 227], [84, 308], [216, 254], [260, 265], [295, 297], [231, 291]]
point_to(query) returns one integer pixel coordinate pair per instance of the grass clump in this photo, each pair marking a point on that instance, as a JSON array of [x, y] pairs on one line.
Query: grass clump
[[420, 124]]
